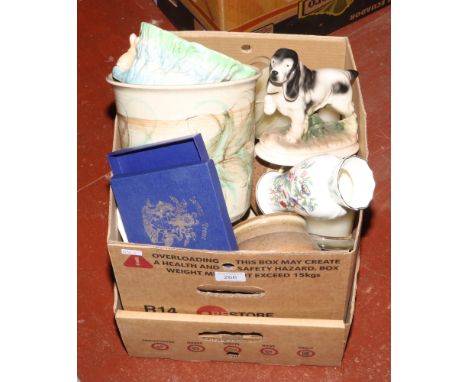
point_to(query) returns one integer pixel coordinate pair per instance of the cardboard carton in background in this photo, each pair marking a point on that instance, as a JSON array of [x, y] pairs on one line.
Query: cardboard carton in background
[[318, 17]]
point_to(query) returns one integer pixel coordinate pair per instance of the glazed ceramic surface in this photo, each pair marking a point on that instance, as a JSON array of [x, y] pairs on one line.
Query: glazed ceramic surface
[[160, 57], [323, 135], [323, 187], [275, 232], [297, 91], [223, 113], [324, 132]]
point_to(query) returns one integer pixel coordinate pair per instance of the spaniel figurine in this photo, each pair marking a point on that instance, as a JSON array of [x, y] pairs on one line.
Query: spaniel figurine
[[296, 91]]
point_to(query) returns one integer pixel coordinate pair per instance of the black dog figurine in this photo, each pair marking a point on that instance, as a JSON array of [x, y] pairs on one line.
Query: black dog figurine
[[296, 90]]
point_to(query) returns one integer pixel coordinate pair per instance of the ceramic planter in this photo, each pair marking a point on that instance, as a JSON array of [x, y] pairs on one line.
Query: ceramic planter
[[223, 113], [323, 187]]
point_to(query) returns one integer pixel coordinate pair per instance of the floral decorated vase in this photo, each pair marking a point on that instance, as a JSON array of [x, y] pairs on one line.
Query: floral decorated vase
[[323, 187]]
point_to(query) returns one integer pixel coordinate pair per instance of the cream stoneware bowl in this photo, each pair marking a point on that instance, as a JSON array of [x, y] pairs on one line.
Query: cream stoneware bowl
[[282, 232]]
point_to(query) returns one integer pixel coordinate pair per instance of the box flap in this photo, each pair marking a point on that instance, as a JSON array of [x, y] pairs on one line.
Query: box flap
[[224, 338], [228, 320]]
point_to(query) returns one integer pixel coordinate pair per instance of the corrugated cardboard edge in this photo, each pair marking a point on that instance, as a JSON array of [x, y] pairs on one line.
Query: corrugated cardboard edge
[[203, 318], [358, 100], [352, 301], [259, 36]]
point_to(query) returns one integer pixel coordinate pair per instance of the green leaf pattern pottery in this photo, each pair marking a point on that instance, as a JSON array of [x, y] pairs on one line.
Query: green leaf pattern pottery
[[223, 113]]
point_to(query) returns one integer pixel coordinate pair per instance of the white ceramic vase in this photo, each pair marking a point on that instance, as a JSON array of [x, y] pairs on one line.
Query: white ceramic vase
[[222, 112], [323, 187]]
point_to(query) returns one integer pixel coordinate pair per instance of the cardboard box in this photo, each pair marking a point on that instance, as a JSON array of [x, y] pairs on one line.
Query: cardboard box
[[155, 279], [278, 16], [313, 284], [191, 337]]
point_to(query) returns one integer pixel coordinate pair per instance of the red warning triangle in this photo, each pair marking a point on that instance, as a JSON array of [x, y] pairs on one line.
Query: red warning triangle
[[137, 262]]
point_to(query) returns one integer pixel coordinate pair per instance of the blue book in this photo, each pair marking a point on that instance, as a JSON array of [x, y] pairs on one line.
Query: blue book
[[179, 205]]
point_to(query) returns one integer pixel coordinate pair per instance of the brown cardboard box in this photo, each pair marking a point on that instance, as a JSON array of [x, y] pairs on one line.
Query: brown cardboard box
[[278, 16], [302, 285], [191, 337]]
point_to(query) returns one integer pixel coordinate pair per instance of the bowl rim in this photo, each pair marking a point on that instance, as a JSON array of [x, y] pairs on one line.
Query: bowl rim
[[268, 218], [223, 84]]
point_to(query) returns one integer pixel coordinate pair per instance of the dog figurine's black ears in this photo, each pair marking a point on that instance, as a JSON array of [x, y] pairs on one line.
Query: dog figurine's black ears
[[288, 74], [291, 91]]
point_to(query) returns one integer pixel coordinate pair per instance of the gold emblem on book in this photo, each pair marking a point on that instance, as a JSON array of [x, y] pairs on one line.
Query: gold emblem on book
[[171, 222]]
